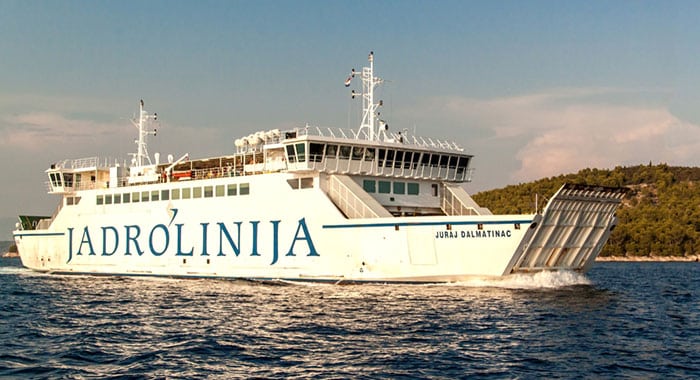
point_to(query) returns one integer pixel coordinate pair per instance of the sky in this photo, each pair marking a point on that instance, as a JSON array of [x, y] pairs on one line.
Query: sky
[[531, 88]]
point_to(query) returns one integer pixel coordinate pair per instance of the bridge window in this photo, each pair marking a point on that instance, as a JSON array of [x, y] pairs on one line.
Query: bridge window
[[369, 154], [68, 179], [358, 153], [369, 185], [316, 152], [291, 156], [398, 159], [381, 156], [331, 151], [412, 188], [443, 161], [301, 152], [344, 152]]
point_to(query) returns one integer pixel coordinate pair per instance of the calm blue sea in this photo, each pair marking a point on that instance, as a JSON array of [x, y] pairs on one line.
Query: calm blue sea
[[622, 320]]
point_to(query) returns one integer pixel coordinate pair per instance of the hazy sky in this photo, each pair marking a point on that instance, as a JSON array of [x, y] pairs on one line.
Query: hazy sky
[[531, 88]]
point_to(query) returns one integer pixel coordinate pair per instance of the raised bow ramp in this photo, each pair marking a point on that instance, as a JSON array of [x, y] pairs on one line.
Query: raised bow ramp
[[571, 232]]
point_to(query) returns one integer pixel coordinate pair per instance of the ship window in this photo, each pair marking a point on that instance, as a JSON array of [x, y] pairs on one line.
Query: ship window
[[155, 195], [135, 197], [144, 196], [435, 189], [398, 159], [301, 152], [76, 200], [453, 162], [389, 158], [399, 187], [68, 179], [344, 152], [100, 199], [108, 199], [425, 159], [381, 156], [369, 154], [384, 187], [357, 153], [461, 165], [126, 197], [69, 201], [293, 183], [117, 199], [443, 161], [291, 157], [186, 192], [244, 189], [208, 191], [164, 195], [175, 194], [52, 176], [231, 189], [434, 159], [369, 185], [316, 152], [306, 183], [220, 190], [412, 188], [408, 156], [332, 151], [196, 192]]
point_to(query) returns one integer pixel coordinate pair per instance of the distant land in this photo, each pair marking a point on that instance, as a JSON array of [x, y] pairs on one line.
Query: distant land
[[658, 220]]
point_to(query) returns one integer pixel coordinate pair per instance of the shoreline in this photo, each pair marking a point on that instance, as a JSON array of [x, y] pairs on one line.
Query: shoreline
[[659, 259]]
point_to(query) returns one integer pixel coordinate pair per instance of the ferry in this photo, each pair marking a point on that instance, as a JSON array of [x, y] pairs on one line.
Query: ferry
[[305, 204]]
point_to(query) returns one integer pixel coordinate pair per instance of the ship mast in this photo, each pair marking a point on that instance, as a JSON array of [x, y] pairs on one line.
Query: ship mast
[[141, 156], [371, 124]]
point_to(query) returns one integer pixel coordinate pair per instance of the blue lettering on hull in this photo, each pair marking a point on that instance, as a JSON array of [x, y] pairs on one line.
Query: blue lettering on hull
[[160, 239]]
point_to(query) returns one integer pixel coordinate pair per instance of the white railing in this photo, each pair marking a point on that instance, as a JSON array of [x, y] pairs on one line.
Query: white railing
[[254, 142]]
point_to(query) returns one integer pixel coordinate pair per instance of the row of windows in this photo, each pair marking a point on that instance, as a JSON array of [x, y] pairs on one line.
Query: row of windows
[[387, 187], [178, 193], [385, 157]]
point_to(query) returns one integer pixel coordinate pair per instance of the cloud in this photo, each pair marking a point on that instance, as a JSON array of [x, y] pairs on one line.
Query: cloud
[[564, 130], [36, 131]]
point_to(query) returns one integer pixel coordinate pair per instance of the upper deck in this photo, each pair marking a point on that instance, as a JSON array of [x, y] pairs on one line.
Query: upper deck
[[372, 150]]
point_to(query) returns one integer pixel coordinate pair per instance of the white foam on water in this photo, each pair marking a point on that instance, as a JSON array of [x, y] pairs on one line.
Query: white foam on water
[[540, 280]]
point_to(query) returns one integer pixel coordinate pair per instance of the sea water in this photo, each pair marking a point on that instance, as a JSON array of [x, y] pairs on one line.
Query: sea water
[[622, 320]]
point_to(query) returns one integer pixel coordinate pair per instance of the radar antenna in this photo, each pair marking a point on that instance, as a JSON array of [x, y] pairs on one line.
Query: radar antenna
[[141, 156], [371, 125]]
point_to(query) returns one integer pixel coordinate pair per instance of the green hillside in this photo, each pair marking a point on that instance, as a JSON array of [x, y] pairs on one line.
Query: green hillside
[[660, 216]]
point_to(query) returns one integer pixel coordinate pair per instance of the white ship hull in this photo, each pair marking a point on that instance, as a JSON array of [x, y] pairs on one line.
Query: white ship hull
[[299, 235]]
